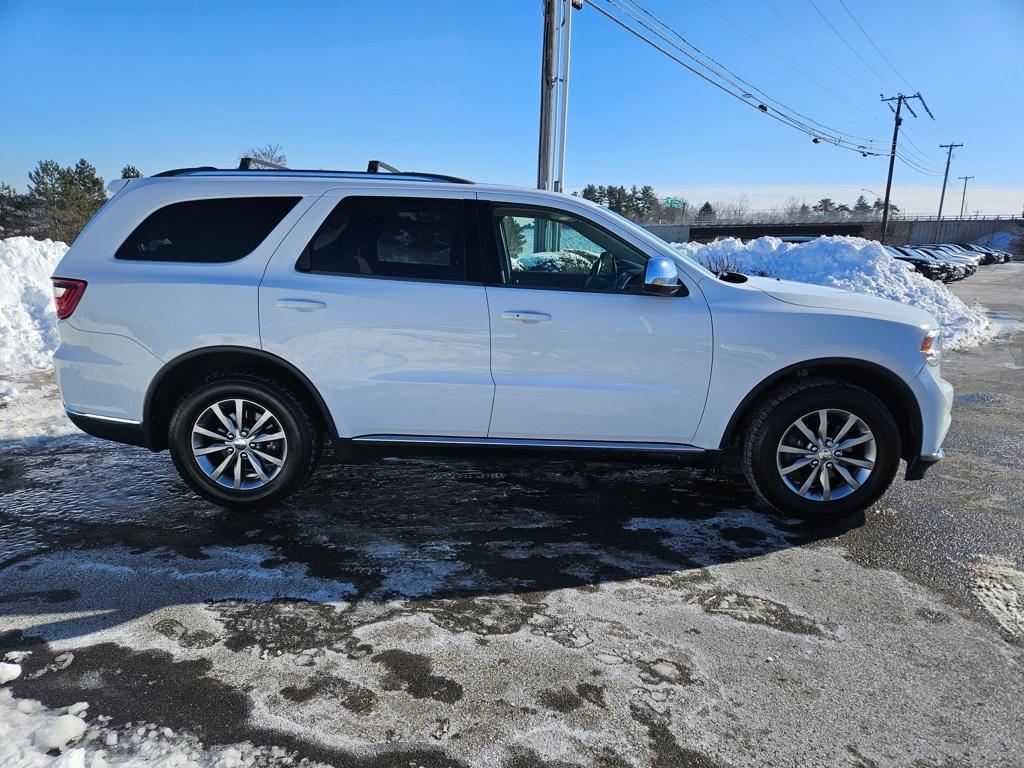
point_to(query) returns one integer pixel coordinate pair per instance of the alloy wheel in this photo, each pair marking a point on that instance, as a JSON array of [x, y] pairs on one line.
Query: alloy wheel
[[826, 454], [239, 444]]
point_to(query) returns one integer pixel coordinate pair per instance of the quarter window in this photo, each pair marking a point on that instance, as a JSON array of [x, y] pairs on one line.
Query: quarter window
[[551, 249], [213, 230], [413, 238]]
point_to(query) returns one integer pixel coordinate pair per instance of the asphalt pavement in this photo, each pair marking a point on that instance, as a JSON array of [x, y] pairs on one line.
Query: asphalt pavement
[[524, 614]]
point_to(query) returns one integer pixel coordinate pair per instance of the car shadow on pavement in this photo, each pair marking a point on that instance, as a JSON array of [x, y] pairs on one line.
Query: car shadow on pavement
[[94, 535]]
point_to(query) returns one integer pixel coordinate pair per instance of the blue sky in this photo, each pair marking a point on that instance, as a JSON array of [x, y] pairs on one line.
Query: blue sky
[[452, 86]]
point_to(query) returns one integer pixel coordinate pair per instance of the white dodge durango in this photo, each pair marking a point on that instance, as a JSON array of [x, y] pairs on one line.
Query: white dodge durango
[[240, 318]]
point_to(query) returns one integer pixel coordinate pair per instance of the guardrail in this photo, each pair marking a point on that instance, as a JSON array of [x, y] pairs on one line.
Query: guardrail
[[775, 217]]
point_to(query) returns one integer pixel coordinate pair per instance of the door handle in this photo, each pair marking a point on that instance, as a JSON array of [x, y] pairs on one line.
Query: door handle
[[526, 317], [301, 305]]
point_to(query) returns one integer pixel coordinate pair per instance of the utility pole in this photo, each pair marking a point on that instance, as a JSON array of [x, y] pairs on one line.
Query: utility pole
[[901, 101], [942, 197], [547, 92], [963, 200], [554, 92]]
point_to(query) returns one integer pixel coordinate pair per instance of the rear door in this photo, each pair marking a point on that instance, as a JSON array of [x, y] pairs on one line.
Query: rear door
[[578, 352], [378, 301]]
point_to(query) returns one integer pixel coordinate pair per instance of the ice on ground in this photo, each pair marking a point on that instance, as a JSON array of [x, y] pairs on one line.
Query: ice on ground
[[9, 672], [999, 586], [30, 407], [28, 321], [28, 730], [57, 733], [852, 264]]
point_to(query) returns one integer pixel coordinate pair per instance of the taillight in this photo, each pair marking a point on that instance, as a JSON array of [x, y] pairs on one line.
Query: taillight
[[66, 295]]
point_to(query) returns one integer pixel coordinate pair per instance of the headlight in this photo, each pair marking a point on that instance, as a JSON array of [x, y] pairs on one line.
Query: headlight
[[931, 346]]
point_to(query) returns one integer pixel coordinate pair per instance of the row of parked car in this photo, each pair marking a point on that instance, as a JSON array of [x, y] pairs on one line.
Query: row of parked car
[[947, 261]]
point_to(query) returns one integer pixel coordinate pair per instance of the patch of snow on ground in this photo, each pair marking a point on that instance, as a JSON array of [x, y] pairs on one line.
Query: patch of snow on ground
[[30, 407], [999, 586], [28, 730], [9, 672], [852, 264], [28, 330]]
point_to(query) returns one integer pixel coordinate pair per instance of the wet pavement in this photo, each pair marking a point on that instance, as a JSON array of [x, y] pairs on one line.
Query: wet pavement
[[524, 614]]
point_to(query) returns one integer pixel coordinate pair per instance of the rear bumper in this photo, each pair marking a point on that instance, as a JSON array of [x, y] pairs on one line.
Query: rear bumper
[[107, 428]]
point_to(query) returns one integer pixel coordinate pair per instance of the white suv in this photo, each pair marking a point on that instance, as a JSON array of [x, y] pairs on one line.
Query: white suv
[[240, 317]]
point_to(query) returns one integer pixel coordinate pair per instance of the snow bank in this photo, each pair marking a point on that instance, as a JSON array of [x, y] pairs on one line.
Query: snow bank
[[853, 264], [999, 240], [28, 332]]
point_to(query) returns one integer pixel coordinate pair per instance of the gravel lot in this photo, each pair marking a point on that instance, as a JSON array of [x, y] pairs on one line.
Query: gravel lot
[[517, 614]]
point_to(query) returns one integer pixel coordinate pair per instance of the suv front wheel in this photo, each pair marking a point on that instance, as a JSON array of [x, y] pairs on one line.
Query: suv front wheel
[[821, 448], [243, 440]]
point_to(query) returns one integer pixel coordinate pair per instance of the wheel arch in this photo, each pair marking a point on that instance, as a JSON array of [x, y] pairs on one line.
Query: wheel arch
[[876, 379], [173, 379]]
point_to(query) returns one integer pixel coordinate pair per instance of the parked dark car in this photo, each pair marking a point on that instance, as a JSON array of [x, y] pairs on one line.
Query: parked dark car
[[952, 270], [931, 268]]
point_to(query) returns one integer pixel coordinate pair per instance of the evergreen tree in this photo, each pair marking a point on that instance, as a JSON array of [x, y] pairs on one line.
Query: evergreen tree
[[62, 200], [13, 212], [45, 199], [825, 205], [131, 172], [879, 207], [862, 205], [706, 212], [590, 193], [647, 204]]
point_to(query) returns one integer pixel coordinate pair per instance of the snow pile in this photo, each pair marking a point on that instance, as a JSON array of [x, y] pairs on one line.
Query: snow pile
[[852, 264], [1000, 240], [28, 332]]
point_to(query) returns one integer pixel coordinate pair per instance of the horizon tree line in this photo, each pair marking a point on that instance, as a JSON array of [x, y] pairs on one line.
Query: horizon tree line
[[60, 200]]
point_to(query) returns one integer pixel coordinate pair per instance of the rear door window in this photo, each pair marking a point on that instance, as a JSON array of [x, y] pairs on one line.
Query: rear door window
[[207, 231], [397, 237]]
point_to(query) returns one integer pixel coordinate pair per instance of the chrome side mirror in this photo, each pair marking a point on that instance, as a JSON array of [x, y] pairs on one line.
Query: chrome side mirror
[[661, 278]]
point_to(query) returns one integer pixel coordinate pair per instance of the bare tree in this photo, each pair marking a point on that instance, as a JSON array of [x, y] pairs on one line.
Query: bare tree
[[268, 153]]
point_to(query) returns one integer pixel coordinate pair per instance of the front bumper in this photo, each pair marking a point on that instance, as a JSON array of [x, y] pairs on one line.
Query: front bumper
[[918, 465], [935, 399]]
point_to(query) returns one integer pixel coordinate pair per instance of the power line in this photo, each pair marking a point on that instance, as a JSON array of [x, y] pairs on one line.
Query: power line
[[786, 61], [847, 43], [703, 58], [811, 43], [873, 45], [741, 96]]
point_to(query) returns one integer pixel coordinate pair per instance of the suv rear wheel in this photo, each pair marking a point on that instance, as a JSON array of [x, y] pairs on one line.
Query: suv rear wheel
[[821, 449], [243, 440]]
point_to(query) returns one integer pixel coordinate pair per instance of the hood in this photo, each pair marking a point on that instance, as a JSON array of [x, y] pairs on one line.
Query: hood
[[822, 297]]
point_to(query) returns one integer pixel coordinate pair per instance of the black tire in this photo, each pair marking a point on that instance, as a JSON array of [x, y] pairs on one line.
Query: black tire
[[778, 412], [302, 433]]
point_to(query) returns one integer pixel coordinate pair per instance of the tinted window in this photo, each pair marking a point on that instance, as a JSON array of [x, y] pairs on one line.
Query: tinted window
[[221, 229], [551, 249], [391, 237]]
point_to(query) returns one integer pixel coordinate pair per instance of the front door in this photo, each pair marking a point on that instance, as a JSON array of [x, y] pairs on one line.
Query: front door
[[374, 299], [578, 351]]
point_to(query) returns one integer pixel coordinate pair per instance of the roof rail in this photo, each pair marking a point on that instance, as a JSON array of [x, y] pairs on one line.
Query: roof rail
[[246, 164], [372, 170]]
